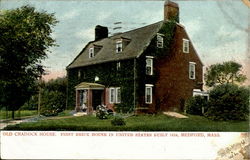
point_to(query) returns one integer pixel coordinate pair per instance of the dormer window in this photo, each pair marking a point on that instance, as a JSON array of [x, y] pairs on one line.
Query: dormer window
[[91, 52], [149, 65], [118, 46], [185, 46], [159, 40]]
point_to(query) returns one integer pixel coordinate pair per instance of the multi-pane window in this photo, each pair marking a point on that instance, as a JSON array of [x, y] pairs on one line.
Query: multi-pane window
[[118, 95], [115, 95], [191, 70], [118, 46], [118, 66], [148, 93], [185, 45], [149, 65], [159, 41], [91, 52]]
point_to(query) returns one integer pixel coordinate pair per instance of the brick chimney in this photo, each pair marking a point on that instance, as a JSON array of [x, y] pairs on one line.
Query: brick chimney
[[101, 32], [171, 10]]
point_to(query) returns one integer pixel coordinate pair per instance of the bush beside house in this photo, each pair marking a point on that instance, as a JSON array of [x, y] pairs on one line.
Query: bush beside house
[[228, 102]]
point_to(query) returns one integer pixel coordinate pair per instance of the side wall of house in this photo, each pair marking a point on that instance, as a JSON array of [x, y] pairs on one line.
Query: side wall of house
[[110, 76], [174, 86]]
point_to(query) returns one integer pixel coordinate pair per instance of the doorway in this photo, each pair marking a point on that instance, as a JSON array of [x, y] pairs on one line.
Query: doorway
[[96, 98]]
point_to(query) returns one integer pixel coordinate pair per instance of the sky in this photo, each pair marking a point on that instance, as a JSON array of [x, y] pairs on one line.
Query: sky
[[219, 30]]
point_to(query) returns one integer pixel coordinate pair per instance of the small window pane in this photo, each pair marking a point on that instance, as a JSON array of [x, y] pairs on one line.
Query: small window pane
[[149, 66], [112, 95], [148, 95], [191, 70], [185, 46], [118, 95], [159, 41], [91, 52], [118, 46]]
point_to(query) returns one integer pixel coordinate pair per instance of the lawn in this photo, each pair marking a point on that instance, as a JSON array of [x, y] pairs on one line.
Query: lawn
[[157, 122], [6, 115]]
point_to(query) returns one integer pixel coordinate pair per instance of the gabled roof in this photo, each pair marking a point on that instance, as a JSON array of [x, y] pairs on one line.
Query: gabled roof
[[139, 40]]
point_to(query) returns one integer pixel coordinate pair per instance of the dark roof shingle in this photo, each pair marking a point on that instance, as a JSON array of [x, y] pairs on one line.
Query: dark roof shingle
[[139, 40]]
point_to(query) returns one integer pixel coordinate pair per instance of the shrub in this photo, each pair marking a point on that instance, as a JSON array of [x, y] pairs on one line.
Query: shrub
[[102, 112], [195, 104], [118, 121], [53, 102], [228, 102]]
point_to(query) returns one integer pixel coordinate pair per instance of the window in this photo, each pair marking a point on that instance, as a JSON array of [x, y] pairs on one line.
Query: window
[[91, 53], [112, 95], [191, 70], [149, 65], [79, 73], [159, 41], [185, 45], [118, 46], [118, 95], [148, 93], [115, 95], [118, 66]]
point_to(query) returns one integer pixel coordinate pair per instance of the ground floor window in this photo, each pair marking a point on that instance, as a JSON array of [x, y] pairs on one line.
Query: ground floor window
[[115, 95], [148, 93]]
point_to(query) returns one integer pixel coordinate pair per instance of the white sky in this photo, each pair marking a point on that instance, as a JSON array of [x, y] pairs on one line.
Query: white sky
[[218, 29]]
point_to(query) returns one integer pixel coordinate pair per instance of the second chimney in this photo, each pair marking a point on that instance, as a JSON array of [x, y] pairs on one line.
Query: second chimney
[[171, 11], [101, 32]]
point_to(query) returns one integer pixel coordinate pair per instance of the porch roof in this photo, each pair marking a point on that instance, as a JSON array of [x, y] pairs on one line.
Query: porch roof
[[87, 85]]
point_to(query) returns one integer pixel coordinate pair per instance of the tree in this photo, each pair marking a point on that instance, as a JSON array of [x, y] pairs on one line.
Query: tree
[[227, 72], [25, 37]]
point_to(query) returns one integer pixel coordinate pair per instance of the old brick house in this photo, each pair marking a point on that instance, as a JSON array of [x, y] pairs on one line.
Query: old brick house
[[149, 69]]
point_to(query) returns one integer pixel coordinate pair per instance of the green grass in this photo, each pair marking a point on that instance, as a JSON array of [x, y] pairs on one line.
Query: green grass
[[6, 115], [135, 123]]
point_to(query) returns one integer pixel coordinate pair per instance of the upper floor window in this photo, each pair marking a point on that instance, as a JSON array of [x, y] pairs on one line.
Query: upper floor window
[[148, 93], [149, 65], [192, 70], [115, 95], [159, 40], [118, 46], [91, 52], [185, 45]]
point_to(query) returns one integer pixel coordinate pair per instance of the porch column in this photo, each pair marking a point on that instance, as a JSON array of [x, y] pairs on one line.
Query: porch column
[[89, 101], [77, 108]]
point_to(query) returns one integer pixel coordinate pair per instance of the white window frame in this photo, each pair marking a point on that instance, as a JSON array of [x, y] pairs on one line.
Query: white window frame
[[118, 44], [185, 46], [159, 42], [115, 95], [150, 87], [150, 59], [118, 66], [110, 95], [191, 67], [117, 100], [91, 52]]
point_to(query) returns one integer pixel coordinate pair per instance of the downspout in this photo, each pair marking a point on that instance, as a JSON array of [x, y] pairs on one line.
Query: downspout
[[134, 84]]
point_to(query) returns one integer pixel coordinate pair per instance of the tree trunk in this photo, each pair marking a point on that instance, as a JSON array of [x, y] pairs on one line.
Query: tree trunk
[[13, 114]]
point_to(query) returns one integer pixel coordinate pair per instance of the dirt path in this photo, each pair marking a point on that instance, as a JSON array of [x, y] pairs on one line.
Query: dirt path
[[175, 114]]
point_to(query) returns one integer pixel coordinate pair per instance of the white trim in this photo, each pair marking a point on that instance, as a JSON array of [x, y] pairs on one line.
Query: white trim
[[150, 57], [185, 43], [159, 40], [191, 64], [111, 102], [150, 87], [151, 64], [91, 52], [116, 46], [116, 95]]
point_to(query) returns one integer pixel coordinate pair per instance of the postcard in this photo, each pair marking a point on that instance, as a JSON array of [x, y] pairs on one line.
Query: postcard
[[124, 79]]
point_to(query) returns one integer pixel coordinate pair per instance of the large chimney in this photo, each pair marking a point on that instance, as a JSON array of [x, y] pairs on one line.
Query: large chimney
[[171, 11], [101, 32]]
